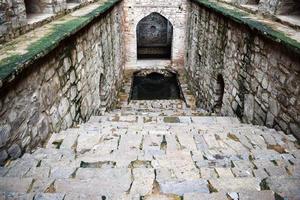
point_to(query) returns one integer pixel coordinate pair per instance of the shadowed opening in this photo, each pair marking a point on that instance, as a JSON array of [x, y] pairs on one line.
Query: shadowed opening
[[33, 6], [289, 7], [219, 91], [154, 37], [155, 86]]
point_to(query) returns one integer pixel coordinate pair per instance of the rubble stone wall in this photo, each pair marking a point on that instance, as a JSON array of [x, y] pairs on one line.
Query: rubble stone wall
[[261, 77], [13, 16], [79, 78]]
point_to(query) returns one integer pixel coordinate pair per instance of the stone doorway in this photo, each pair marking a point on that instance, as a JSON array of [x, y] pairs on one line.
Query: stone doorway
[[154, 37], [155, 85]]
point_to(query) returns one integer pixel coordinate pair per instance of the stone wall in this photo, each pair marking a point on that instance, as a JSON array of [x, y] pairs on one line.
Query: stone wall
[[79, 78], [173, 10], [261, 76], [14, 15]]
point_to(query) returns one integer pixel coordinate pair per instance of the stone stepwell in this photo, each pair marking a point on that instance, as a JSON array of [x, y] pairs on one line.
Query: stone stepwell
[[158, 150]]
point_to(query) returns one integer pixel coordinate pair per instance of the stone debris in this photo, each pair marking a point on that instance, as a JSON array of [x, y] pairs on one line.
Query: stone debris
[[135, 152]]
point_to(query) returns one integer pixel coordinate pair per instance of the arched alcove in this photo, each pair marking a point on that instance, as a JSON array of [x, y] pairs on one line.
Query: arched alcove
[[289, 7], [219, 92], [154, 37], [33, 6]]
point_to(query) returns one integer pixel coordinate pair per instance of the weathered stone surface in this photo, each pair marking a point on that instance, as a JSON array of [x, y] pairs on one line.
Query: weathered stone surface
[[182, 187], [235, 184], [266, 195], [204, 196], [286, 187], [143, 180], [15, 184], [4, 134], [49, 196]]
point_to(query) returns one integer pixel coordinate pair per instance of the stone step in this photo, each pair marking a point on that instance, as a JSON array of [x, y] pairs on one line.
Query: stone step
[[117, 117]]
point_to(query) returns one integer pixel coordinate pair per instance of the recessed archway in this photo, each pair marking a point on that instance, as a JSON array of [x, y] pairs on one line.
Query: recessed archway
[[33, 6], [289, 7], [219, 92], [154, 37]]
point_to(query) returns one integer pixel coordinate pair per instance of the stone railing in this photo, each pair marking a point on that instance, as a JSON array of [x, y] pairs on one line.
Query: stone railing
[[259, 64], [58, 75]]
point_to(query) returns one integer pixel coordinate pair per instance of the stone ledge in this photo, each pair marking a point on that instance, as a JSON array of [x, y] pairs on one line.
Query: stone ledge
[[17, 55], [275, 31]]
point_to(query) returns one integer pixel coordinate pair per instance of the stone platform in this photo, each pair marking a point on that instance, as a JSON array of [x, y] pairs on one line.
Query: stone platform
[[158, 150]]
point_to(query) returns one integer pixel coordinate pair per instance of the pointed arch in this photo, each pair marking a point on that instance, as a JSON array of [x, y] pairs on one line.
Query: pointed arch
[[154, 37]]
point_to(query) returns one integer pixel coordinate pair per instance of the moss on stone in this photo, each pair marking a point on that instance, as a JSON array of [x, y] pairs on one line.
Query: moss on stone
[[171, 120], [13, 64]]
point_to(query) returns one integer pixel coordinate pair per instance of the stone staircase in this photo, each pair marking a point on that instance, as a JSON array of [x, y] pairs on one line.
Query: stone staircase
[[158, 150]]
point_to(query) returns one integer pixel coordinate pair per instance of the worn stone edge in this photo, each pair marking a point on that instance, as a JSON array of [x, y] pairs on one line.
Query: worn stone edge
[[12, 66], [241, 18]]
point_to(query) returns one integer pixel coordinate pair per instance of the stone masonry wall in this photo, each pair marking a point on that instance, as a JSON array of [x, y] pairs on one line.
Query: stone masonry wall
[[173, 10], [13, 16], [261, 77], [79, 78]]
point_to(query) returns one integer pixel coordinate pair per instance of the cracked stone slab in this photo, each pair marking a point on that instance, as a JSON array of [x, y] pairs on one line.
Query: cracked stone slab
[[49, 196], [12, 184], [182, 187], [205, 196], [235, 184], [143, 179], [87, 141], [286, 187], [265, 195], [16, 195], [108, 186], [69, 141]]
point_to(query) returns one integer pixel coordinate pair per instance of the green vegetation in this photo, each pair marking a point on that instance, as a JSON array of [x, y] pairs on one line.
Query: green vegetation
[[13, 64]]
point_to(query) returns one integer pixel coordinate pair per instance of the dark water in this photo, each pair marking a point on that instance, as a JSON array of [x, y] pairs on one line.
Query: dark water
[[155, 86]]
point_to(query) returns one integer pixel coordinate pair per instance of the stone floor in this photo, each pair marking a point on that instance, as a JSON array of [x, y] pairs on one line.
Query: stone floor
[[158, 150]]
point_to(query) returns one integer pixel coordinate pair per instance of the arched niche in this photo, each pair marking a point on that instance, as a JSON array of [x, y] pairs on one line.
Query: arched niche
[[288, 7], [154, 37], [33, 6]]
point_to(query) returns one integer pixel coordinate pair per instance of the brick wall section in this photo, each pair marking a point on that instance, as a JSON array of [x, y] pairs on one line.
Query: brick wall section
[[62, 89], [262, 79], [173, 10]]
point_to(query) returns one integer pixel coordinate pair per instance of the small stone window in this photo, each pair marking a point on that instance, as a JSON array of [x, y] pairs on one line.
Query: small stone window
[[219, 92]]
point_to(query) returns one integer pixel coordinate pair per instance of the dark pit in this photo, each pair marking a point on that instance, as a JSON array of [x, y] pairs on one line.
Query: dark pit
[[155, 86]]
